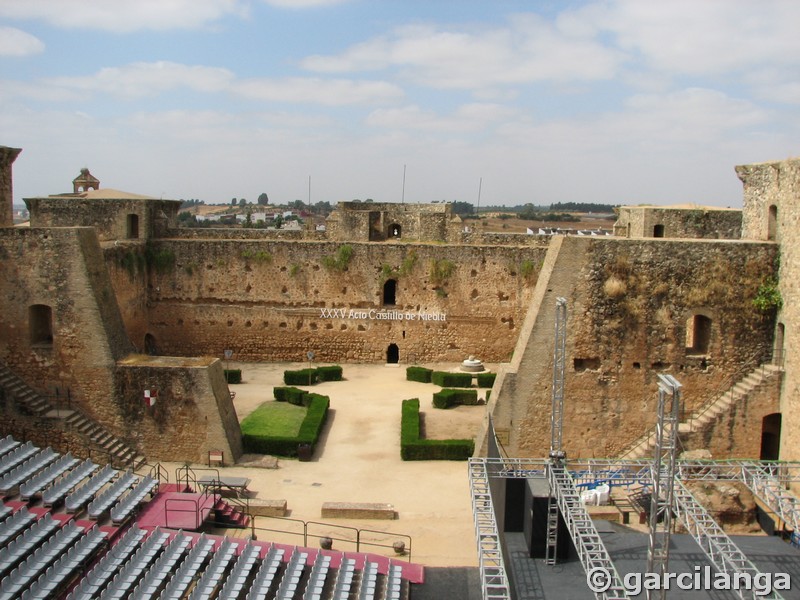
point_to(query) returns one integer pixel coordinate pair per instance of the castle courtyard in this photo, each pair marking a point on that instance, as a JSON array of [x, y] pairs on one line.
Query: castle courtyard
[[358, 460]]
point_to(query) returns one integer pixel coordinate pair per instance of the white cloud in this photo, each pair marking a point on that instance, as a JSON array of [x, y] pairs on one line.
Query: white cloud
[[330, 92], [141, 79], [467, 118], [303, 3], [15, 42], [698, 38], [123, 16], [528, 50]]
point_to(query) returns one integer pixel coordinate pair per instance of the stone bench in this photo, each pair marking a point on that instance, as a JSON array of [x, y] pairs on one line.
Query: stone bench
[[262, 507], [358, 510]]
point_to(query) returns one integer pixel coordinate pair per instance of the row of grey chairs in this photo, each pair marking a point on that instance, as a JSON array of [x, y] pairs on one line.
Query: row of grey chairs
[[16, 456], [215, 571], [7, 444], [25, 470], [113, 560], [235, 582], [394, 583], [46, 476], [15, 524], [55, 576], [23, 545], [127, 505], [127, 578], [163, 568], [266, 574], [186, 573], [108, 497], [60, 489], [5, 511], [316, 580], [291, 576], [84, 494], [38, 561], [344, 579], [369, 581]]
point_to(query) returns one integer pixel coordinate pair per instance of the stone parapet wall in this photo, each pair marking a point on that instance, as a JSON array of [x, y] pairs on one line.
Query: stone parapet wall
[[777, 184], [279, 300], [687, 223], [628, 308], [193, 412]]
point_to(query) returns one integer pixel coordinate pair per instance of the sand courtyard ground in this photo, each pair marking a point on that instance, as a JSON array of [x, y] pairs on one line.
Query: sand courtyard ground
[[358, 460]]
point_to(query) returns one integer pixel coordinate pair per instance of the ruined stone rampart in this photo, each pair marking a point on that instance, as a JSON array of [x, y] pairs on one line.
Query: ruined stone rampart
[[631, 306], [772, 212], [193, 412], [278, 300], [697, 222]]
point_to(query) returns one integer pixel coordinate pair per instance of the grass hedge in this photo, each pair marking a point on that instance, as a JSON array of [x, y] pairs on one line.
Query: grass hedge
[[330, 373], [300, 377], [486, 380], [233, 375], [447, 398], [451, 380], [412, 447], [420, 374], [256, 442], [292, 395], [312, 376]]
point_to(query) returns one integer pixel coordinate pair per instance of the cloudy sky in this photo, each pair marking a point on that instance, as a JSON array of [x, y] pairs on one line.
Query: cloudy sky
[[613, 101]]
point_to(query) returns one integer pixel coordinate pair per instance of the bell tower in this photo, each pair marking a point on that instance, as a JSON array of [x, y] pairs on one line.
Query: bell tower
[[85, 182], [7, 158]]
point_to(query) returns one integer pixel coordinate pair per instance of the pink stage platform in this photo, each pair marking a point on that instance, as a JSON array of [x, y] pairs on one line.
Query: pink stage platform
[[176, 510]]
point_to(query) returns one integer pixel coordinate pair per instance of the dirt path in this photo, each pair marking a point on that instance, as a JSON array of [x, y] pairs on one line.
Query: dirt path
[[358, 459]]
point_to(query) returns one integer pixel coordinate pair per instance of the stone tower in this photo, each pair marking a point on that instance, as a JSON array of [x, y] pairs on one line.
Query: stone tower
[[85, 182], [7, 158]]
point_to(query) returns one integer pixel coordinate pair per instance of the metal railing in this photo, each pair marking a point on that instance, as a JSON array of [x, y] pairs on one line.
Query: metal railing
[[359, 538]]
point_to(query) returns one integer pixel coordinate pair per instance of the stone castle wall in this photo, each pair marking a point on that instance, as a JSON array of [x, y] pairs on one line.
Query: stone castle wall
[[65, 270], [62, 269], [628, 308], [192, 414], [688, 223], [777, 185], [278, 300], [108, 216]]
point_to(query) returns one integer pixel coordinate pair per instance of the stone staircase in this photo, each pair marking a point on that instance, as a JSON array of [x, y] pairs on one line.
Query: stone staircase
[[645, 445], [111, 449]]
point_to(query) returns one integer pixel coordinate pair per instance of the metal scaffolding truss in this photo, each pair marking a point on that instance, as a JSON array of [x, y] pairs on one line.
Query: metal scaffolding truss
[[494, 581], [723, 554], [768, 488], [767, 480], [663, 476], [591, 550]]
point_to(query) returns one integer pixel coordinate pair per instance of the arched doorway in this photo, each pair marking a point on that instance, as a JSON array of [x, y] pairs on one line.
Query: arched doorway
[[392, 354], [150, 345], [390, 292], [771, 437]]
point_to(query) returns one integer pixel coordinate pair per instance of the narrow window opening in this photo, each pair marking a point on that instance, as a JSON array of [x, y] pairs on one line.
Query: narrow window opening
[[132, 227], [395, 231], [698, 334], [658, 231], [40, 322], [150, 345], [772, 223], [390, 292]]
